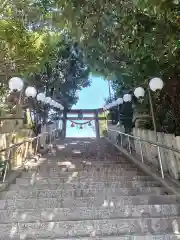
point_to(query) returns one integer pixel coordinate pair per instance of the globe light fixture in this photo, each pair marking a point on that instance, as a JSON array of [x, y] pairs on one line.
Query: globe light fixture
[[31, 92], [52, 103], [47, 100], [119, 101], [113, 104], [107, 106], [104, 108], [41, 97], [127, 98], [56, 105], [156, 84], [139, 92], [110, 105], [16, 84], [61, 107]]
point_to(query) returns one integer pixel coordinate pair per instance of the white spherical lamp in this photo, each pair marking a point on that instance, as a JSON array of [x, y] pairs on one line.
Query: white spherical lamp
[[52, 103], [156, 84], [47, 100], [16, 84], [56, 105], [107, 106], [30, 92], [127, 98], [110, 105], [119, 101], [61, 107], [41, 97], [139, 92], [114, 104]]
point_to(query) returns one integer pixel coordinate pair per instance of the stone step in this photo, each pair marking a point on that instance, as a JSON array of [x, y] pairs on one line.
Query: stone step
[[58, 180], [127, 237], [95, 163], [121, 200], [49, 181], [85, 213], [91, 184], [72, 177], [82, 192], [86, 202], [96, 177], [86, 161], [85, 172], [90, 228], [92, 165]]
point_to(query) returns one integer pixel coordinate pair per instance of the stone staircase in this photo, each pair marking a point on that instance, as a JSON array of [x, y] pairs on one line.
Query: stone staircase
[[87, 190]]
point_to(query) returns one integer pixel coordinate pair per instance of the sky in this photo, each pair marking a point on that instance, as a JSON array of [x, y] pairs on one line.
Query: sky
[[90, 97]]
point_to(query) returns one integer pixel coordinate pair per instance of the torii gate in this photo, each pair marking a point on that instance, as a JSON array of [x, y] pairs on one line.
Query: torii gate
[[95, 117]]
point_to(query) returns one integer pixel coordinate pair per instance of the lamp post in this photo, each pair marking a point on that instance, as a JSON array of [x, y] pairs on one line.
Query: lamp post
[[16, 84], [109, 87], [119, 102], [154, 85], [41, 97]]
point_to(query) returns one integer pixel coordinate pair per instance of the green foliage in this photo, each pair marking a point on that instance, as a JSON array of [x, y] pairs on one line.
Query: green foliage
[[35, 48], [125, 41], [135, 40]]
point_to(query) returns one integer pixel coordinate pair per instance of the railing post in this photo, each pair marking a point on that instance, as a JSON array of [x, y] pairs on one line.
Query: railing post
[[160, 162], [121, 140], [50, 138], [97, 124], [142, 158], [129, 145], [36, 147], [64, 124], [7, 163]]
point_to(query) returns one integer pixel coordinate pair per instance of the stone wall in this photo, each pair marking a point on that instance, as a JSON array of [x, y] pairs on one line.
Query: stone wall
[[13, 134], [22, 152], [170, 159]]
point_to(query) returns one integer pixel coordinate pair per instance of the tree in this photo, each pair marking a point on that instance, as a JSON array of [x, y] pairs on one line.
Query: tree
[[137, 40], [32, 47], [123, 40]]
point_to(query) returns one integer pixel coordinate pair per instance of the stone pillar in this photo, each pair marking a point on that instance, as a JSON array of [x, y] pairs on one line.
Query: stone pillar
[[97, 124], [64, 124]]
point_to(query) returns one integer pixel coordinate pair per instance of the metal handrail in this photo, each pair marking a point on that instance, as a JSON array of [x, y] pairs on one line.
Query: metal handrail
[[147, 141], [155, 144], [16, 145], [24, 141]]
